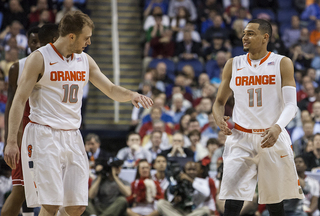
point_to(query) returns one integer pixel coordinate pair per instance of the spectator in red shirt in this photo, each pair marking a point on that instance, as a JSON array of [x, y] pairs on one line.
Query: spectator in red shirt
[[144, 191], [35, 15]]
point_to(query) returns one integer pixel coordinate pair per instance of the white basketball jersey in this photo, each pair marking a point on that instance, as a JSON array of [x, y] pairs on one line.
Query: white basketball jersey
[[257, 91], [21, 66], [57, 98]]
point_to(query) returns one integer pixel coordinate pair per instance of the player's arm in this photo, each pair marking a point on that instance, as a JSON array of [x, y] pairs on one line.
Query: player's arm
[[289, 96], [117, 93], [13, 77], [223, 94], [33, 67]]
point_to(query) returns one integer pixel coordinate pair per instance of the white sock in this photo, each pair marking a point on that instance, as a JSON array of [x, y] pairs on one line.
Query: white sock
[[28, 214]]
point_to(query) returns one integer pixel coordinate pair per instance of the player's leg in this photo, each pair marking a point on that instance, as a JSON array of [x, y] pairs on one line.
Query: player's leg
[[48, 210], [71, 211], [232, 207], [276, 209], [14, 202], [27, 211]]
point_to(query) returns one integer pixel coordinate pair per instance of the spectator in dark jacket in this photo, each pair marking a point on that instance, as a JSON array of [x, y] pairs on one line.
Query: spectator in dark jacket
[[177, 149], [188, 49]]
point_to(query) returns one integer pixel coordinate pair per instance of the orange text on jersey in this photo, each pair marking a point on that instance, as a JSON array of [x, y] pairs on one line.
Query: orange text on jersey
[[67, 75], [256, 80]]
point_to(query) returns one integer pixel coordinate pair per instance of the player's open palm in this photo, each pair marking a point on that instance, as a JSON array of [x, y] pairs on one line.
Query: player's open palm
[[145, 101], [11, 155], [270, 136]]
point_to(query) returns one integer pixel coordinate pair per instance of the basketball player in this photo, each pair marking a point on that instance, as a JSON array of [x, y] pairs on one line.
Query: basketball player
[[55, 164], [36, 37], [259, 146]]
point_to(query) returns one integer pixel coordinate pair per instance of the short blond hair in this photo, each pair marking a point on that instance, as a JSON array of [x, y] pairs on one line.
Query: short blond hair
[[74, 22]]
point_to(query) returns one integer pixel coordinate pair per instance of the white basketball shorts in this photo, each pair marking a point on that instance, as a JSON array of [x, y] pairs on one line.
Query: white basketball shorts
[[245, 163], [55, 167]]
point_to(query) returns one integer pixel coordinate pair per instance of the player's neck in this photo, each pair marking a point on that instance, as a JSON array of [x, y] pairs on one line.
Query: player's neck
[[258, 55], [64, 50]]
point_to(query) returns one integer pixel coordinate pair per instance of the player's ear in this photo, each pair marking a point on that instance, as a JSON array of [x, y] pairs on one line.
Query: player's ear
[[72, 36], [266, 37]]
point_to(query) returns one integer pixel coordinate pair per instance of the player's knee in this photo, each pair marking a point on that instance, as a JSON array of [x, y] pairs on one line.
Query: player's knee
[[233, 207], [51, 209], [75, 210]]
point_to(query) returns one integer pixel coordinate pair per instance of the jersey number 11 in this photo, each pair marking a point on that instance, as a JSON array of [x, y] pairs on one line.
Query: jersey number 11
[[251, 97]]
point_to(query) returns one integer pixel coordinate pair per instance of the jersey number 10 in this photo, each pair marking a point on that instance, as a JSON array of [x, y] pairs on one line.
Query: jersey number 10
[[251, 97], [72, 94]]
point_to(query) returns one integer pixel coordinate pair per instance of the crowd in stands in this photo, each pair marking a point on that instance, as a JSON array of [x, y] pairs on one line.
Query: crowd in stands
[[187, 43]]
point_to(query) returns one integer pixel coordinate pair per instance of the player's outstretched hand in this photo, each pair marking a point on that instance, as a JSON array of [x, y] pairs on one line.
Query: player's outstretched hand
[[145, 101], [11, 155], [270, 136], [224, 126]]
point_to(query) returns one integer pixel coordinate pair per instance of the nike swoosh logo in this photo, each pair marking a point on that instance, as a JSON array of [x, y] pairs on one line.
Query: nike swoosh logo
[[239, 69], [282, 156], [53, 63]]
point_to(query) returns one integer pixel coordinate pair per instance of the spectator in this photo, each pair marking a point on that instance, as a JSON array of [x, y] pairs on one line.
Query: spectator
[[312, 12], [203, 79], [181, 85], [307, 102], [155, 139], [165, 138], [190, 27], [188, 4], [218, 152], [272, 4], [198, 148], [188, 49], [183, 124], [67, 6], [134, 151], [291, 35], [302, 94], [297, 132], [205, 7], [14, 12], [193, 124], [203, 172], [35, 16], [108, 191], [163, 46], [161, 76], [94, 152], [221, 59], [160, 165], [200, 195], [150, 5], [189, 73], [216, 28], [204, 109], [14, 32], [177, 108], [316, 116], [315, 34], [208, 22], [275, 44], [10, 57], [5, 181], [212, 145], [145, 191], [232, 11], [217, 45], [177, 149], [44, 18], [315, 63], [312, 158], [179, 22], [306, 46], [310, 187], [3, 95], [300, 144], [210, 130], [150, 21], [156, 114], [237, 33], [311, 72]]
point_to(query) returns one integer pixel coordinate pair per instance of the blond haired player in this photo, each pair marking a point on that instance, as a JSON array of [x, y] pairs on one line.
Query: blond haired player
[[258, 148], [54, 161]]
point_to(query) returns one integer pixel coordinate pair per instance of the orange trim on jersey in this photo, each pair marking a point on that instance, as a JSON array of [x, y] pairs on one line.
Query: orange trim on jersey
[[55, 49], [238, 127], [298, 182], [262, 60], [265, 58], [72, 57], [249, 60]]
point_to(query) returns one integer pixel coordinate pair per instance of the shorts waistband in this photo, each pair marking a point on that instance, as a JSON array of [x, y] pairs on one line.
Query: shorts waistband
[[255, 131], [50, 126]]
